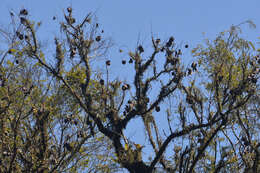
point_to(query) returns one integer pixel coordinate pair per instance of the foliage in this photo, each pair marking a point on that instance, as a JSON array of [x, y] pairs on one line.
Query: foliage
[[67, 116], [43, 129]]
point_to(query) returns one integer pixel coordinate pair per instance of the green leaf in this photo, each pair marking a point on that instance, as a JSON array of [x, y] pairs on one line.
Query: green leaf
[[251, 44], [10, 63]]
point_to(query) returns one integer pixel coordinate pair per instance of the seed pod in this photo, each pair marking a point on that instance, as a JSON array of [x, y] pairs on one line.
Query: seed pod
[[98, 38], [189, 100], [141, 49], [69, 9], [17, 33], [252, 63], [176, 53], [23, 20], [176, 79], [21, 36], [179, 52], [102, 82], [157, 41], [189, 71], [88, 20], [125, 87], [168, 44], [72, 20], [174, 61], [147, 100], [67, 120], [170, 41], [80, 134], [194, 66], [108, 62], [75, 122], [68, 146], [162, 49], [246, 142], [254, 80], [24, 12], [127, 108], [73, 52], [220, 78], [157, 108]]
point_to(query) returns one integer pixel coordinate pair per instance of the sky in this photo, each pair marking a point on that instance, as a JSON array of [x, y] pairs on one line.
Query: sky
[[131, 22], [126, 21]]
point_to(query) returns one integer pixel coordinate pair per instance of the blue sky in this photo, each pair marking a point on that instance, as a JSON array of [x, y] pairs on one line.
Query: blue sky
[[125, 20], [128, 22], [133, 21]]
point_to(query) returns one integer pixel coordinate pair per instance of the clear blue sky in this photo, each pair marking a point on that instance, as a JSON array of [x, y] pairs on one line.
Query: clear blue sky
[[124, 20], [128, 21]]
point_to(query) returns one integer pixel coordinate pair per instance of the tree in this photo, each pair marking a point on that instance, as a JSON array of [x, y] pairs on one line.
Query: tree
[[216, 100], [42, 127]]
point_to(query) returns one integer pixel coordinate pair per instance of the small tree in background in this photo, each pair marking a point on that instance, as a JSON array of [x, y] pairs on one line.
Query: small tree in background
[[72, 112]]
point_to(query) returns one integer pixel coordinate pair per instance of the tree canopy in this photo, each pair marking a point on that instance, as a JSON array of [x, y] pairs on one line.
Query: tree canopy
[[59, 112]]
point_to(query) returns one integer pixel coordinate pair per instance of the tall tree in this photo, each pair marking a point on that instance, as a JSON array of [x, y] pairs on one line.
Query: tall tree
[[213, 127], [43, 128]]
